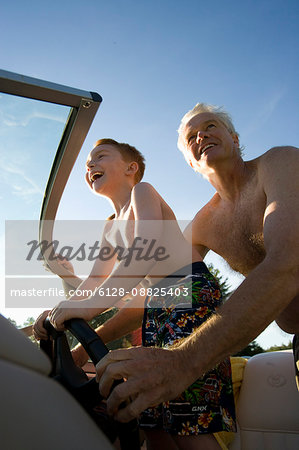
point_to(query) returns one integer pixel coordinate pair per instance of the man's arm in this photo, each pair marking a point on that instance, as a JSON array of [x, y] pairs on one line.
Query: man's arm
[[262, 296], [192, 234], [273, 284]]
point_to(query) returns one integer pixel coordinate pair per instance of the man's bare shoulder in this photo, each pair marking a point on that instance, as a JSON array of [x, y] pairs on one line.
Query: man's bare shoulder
[[206, 211], [280, 161], [276, 155], [197, 230]]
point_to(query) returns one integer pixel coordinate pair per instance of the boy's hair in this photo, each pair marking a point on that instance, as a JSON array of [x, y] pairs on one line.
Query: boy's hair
[[199, 108], [128, 153]]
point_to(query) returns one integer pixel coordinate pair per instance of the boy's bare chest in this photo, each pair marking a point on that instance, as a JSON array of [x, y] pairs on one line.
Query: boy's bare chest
[[121, 232], [236, 232]]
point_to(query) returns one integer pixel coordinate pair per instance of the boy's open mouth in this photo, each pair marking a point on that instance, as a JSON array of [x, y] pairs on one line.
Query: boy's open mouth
[[94, 176]]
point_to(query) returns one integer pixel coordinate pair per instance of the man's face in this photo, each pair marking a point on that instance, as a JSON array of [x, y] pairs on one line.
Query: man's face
[[207, 141]]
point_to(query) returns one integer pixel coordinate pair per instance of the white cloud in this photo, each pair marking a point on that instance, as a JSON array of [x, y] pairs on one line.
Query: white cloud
[[20, 183], [263, 113], [10, 120]]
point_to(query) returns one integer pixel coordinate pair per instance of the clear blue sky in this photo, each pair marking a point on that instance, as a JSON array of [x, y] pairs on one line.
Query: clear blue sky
[[152, 61]]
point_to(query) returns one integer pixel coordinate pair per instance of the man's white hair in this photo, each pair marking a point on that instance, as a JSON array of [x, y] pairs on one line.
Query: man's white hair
[[199, 108]]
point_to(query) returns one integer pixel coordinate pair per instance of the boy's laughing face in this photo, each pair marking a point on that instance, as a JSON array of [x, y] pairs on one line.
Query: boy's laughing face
[[105, 167]]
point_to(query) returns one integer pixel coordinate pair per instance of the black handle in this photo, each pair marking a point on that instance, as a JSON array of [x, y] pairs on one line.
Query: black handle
[[91, 342], [75, 380]]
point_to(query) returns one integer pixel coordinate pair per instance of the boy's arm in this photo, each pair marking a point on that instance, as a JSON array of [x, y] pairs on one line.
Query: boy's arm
[[68, 277], [126, 320], [67, 287], [148, 229], [130, 271], [100, 271]]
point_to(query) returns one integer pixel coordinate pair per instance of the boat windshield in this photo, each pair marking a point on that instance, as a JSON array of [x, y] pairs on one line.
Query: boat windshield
[[30, 132], [42, 128]]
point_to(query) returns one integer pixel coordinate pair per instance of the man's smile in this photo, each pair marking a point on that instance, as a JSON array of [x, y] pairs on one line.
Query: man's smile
[[206, 147]]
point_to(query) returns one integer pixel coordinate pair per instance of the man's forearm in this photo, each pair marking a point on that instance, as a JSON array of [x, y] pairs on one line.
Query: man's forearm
[[253, 306], [288, 320]]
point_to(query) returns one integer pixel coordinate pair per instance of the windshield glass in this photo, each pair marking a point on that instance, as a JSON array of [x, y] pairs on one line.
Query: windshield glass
[[30, 132]]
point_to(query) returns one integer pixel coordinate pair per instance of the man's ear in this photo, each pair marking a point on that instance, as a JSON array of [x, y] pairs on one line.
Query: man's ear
[[132, 168], [188, 161], [236, 139]]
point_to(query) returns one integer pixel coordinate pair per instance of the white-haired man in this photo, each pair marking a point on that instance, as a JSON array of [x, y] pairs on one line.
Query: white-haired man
[[252, 221]]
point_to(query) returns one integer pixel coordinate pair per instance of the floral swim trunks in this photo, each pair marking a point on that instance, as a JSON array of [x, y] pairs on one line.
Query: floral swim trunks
[[207, 406]]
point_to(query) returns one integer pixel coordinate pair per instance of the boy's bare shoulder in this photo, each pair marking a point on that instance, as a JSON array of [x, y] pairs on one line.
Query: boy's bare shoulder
[[144, 188], [144, 185]]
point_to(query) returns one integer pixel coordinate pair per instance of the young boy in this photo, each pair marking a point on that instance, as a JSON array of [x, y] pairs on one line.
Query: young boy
[[146, 254]]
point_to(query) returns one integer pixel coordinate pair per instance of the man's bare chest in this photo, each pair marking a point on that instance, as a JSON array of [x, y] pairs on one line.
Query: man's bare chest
[[236, 233]]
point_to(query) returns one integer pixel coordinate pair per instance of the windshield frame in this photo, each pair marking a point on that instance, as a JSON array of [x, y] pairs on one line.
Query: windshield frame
[[83, 107]]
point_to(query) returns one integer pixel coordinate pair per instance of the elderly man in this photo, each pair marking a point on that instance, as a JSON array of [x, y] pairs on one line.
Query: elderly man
[[252, 221]]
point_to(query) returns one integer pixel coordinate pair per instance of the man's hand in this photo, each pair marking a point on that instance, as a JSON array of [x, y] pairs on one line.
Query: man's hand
[[39, 332], [152, 375]]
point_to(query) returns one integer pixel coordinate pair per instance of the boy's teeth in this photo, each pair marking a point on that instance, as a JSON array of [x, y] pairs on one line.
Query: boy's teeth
[[96, 175]]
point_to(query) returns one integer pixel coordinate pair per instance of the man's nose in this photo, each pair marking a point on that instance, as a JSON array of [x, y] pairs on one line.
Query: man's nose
[[201, 135]]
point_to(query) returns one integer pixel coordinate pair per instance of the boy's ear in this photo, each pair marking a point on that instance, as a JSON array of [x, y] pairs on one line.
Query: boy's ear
[[132, 168]]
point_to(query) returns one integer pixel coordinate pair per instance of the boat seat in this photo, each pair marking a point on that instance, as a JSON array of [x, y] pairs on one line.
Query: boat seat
[[18, 349], [36, 411], [268, 404]]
